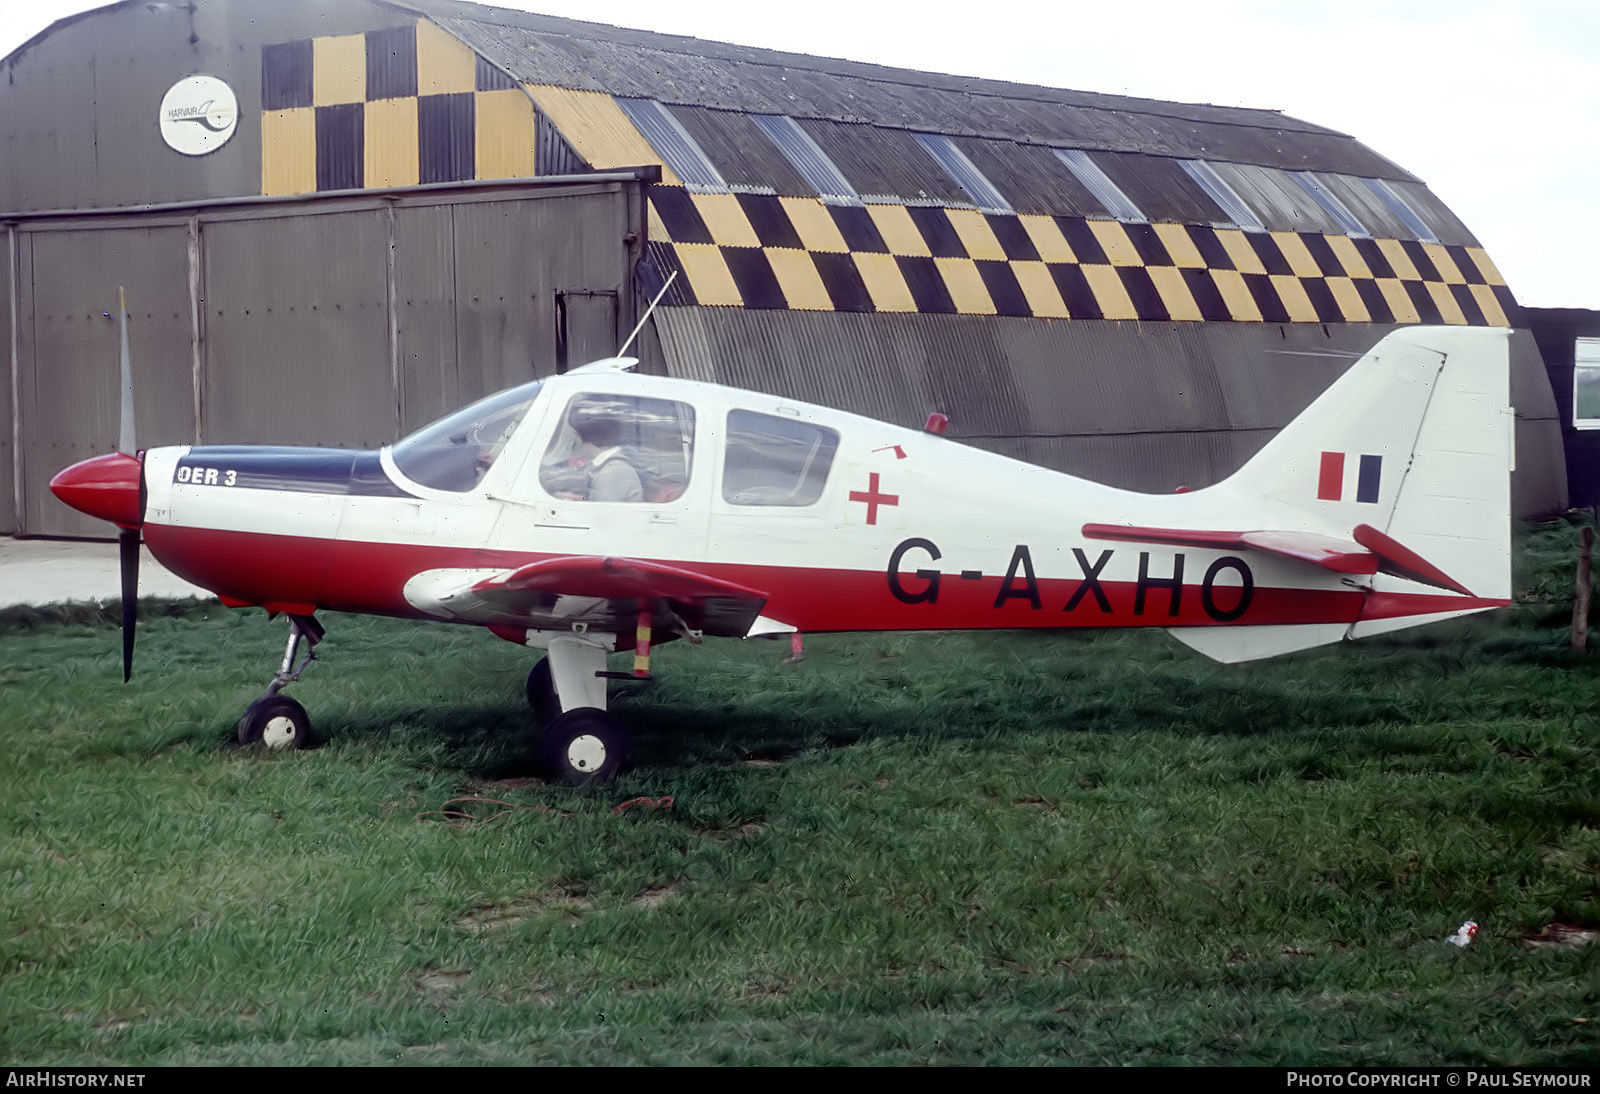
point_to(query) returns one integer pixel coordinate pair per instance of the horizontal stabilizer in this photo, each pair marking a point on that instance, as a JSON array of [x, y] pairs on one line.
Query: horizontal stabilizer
[[1368, 551], [1401, 561]]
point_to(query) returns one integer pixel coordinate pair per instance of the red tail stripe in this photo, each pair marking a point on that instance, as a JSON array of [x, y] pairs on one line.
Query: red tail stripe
[[1330, 480]]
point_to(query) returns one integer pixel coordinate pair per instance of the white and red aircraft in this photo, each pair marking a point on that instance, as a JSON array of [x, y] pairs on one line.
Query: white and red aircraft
[[601, 511]]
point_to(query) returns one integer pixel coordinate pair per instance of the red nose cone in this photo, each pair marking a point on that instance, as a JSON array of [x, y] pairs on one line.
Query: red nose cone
[[106, 487]]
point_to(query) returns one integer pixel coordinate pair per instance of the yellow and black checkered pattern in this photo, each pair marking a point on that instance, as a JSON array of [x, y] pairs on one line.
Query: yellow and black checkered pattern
[[760, 251], [394, 107], [414, 104]]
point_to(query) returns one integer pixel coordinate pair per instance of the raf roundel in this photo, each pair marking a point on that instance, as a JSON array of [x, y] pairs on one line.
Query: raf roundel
[[198, 115]]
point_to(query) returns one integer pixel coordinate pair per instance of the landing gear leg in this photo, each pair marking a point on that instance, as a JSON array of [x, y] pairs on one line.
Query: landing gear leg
[[277, 721], [542, 692], [582, 742]]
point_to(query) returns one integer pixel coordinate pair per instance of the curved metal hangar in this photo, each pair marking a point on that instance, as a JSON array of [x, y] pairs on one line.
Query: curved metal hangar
[[337, 222]]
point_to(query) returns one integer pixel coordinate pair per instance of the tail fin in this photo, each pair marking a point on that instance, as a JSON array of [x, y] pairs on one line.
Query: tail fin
[[1415, 440]]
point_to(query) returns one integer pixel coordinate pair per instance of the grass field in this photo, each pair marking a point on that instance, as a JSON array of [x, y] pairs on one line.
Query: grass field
[[991, 848]]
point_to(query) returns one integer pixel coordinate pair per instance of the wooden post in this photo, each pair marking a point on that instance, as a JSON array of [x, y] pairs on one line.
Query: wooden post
[[1580, 592]]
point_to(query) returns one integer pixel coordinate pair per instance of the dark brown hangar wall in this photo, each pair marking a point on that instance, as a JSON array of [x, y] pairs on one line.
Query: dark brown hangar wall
[[93, 199], [1134, 291]]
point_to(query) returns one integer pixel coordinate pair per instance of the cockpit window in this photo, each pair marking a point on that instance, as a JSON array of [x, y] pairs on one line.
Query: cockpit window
[[620, 448], [455, 452], [775, 461]]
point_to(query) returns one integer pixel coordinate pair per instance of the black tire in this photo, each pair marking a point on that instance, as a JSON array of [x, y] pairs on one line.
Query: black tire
[[541, 692], [276, 722], [585, 746]]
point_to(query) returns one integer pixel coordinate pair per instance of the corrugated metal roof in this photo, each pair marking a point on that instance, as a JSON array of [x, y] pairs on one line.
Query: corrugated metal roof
[[1445, 224], [668, 136], [739, 146], [960, 167], [1319, 193], [1159, 187], [1365, 206], [1110, 196], [1032, 177], [806, 156], [680, 70], [1278, 202], [1206, 177], [885, 163], [1401, 208]]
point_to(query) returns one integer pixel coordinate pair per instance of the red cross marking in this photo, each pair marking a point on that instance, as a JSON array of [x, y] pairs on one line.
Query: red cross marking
[[873, 498]]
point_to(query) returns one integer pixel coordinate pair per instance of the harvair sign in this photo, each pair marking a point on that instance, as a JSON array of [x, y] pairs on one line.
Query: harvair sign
[[198, 115]]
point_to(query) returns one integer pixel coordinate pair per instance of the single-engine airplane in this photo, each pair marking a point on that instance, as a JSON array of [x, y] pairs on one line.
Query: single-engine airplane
[[601, 511]]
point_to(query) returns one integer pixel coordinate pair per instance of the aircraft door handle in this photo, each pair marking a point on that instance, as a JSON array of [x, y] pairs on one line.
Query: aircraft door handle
[[659, 519]]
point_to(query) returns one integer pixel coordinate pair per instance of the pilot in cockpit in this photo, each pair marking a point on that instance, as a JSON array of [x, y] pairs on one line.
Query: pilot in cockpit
[[612, 477], [620, 448]]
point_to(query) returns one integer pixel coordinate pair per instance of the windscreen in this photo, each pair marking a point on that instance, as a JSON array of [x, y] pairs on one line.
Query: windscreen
[[455, 452]]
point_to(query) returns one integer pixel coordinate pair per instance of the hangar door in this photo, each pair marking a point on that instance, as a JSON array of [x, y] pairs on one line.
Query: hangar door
[[68, 400], [338, 322]]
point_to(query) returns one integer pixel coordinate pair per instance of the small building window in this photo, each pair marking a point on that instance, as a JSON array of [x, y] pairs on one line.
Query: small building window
[[1218, 190], [776, 461], [1106, 192], [620, 448], [1586, 383], [673, 144], [808, 158], [1401, 208], [968, 177]]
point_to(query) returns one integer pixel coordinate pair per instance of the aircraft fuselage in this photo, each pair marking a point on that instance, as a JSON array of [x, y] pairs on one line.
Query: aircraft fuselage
[[909, 530]]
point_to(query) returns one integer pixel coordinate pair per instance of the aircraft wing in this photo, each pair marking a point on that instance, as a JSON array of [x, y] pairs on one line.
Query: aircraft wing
[[1368, 551], [601, 592]]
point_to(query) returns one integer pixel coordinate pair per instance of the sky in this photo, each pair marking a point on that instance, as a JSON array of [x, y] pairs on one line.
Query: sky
[[1495, 104]]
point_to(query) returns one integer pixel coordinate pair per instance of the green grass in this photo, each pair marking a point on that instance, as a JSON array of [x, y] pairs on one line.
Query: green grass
[[990, 848]]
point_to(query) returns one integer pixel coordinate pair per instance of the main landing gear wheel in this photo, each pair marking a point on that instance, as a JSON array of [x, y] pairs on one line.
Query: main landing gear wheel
[[585, 745], [276, 722], [542, 692]]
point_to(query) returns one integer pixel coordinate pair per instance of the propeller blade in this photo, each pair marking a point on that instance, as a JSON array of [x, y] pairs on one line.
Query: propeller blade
[[126, 441], [128, 551]]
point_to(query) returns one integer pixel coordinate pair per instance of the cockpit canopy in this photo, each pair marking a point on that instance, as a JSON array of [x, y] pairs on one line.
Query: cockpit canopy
[[615, 446], [455, 452]]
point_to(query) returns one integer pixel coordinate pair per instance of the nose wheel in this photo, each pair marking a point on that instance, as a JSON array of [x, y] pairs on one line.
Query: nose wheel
[[276, 722]]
